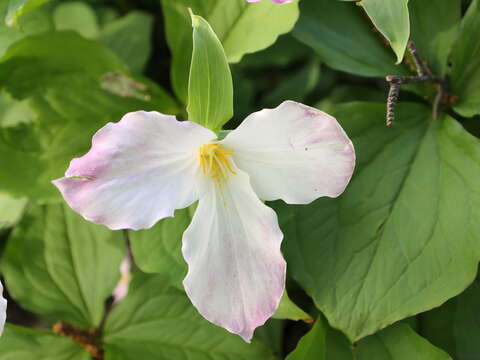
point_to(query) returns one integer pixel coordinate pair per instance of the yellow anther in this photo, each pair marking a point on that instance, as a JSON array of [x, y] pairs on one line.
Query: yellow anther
[[215, 162]]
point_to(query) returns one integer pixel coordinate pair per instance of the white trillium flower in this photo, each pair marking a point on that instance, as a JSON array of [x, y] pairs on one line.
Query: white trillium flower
[[3, 309], [142, 168]]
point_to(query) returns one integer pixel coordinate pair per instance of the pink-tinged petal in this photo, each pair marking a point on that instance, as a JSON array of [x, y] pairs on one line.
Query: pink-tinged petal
[[137, 172], [3, 309], [293, 152], [236, 272]]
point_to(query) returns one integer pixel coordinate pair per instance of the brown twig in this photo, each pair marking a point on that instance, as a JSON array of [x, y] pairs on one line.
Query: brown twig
[[424, 74], [89, 340]]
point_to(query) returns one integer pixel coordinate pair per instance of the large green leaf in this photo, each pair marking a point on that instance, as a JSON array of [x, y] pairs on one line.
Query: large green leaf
[[342, 37], [397, 342], [59, 265], [157, 321], [403, 238], [74, 86], [19, 343], [391, 18], [210, 87], [434, 38], [465, 58], [241, 27]]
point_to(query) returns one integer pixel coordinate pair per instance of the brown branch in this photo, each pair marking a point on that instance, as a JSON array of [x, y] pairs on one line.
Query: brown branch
[[89, 340], [424, 74]]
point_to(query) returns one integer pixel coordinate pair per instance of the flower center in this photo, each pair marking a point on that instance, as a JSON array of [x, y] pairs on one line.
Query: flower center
[[215, 162]]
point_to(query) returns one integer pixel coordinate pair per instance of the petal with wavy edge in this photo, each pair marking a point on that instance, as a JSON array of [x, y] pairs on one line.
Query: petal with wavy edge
[[137, 171], [293, 152], [236, 272], [3, 309]]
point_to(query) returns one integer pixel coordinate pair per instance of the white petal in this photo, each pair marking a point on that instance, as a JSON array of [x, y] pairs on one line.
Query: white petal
[[3, 309], [137, 172], [293, 152], [236, 272]]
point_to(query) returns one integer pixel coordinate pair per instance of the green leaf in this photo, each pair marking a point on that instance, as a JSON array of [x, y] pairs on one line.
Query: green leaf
[[210, 88], [272, 335], [77, 16], [342, 37], [59, 265], [18, 8], [434, 38], [167, 326], [455, 325], [74, 87], [242, 28], [158, 250], [286, 51], [296, 87], [467, 323], [465, 58], [19, 343], [398, 342], [313, 345], [383, 251], [35, 21], [130, 38], [391, 18], [11, 210], [287, 309], [438, 326], [13, 112]]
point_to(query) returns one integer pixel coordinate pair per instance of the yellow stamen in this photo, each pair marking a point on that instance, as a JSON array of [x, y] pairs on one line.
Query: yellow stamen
[[215, 162]]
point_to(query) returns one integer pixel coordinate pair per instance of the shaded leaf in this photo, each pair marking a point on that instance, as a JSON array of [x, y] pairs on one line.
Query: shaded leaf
[[59, 265], [166, 326], [158, 250], [342, 37], [397, 342], [313, 345], [19, 343], [130, 37], [465, 58], [434, 38]]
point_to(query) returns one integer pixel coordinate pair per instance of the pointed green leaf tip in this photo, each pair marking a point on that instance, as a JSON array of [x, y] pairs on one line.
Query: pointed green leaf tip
[[210, 87], [391, 18]]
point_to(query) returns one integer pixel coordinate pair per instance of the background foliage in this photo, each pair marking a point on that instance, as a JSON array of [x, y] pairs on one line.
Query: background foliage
[[386, 271]]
